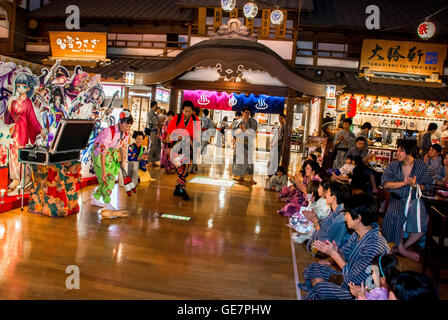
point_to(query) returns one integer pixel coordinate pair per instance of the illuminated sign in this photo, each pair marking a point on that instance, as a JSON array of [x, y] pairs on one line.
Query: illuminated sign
[[81, 45]]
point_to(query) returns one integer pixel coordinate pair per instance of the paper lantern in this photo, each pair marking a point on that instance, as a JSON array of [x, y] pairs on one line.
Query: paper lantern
[[277, 17], [351, 108], [228, 5], [426, 30], [250, 10]]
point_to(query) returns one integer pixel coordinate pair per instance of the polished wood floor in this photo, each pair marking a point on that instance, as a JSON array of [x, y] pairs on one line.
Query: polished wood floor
[[235, 247]]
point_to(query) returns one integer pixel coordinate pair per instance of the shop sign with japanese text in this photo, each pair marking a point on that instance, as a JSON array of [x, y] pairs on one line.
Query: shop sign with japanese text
[[78, 44], [403, 57]]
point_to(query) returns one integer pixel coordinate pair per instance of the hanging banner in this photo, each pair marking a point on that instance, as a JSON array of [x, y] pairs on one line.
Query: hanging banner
[[78, 45], [403, 56], [209, 99], [262, 103]]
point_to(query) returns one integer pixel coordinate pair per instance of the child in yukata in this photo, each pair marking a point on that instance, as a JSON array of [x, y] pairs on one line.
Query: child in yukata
[[278, 181], [303, 226], [137, 159], [342, 174], [386, 270], [109, 150]]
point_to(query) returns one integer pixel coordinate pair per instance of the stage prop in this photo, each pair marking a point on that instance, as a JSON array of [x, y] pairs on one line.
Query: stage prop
[[57, 169]]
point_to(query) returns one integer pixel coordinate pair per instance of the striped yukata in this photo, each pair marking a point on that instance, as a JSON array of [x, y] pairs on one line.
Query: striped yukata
[[358, 255], [332, 228], [395, 218]]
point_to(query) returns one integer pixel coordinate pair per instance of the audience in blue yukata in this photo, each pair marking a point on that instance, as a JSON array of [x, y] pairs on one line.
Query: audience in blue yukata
[[400, 178], [433, 160], [322, 282], [332, 228]]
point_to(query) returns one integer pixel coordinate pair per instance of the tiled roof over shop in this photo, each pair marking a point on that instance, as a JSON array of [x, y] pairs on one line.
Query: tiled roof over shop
[[120, 64], [134, 10], [356, 84], [395, 15]]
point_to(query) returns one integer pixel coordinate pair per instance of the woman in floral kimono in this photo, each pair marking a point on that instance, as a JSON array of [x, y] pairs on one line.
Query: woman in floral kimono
[[108, 153], [27, 127]]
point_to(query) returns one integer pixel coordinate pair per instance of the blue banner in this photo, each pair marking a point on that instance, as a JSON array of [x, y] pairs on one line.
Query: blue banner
[[261, 103]]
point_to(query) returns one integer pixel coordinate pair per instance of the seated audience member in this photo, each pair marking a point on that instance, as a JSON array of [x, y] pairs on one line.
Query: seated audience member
[[332, 228], [277, 181], [434, 161], [352, 259], [299, 181], [309, 173], [386, 270], [360, 149], [342, 174], [317, 207], [444, 178], [410, 285], [363, 179]]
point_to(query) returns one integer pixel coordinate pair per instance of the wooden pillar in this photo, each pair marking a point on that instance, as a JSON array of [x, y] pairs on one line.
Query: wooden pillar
[[174, 93], [280, 32], [286, 154], [307, 111], [323, 102], [234, 14], [153, 92], [202, 20], [217, 20], [126, 98]]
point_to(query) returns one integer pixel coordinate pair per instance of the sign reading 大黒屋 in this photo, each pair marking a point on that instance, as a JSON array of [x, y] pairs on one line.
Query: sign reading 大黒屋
[[403, 56], [82, 45]]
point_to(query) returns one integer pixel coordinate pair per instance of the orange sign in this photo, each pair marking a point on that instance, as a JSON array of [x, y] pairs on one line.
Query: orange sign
[[83, 45], [403, 56]]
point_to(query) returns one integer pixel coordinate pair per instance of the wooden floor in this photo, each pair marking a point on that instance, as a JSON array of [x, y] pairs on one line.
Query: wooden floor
[[235, 247]]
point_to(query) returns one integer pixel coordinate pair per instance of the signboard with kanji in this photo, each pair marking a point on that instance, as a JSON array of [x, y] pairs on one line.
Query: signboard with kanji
[[82, 45], [403, 56]]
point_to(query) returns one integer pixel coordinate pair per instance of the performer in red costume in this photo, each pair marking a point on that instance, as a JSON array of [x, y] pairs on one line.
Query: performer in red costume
[[191, 125]]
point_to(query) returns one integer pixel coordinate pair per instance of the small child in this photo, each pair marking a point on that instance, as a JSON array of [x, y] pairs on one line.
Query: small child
[[345, 170], [136, 157], [318, 204], [387, 265], [278, 181]]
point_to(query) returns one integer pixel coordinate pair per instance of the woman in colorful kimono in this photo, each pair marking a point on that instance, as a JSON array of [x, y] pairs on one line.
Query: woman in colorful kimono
[[352, 259], [27, 126], [165, 161], [54, 114], [398, 178], [108, 153]]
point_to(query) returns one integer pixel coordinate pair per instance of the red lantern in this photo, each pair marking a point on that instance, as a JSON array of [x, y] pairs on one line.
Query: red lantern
[[351, 108]]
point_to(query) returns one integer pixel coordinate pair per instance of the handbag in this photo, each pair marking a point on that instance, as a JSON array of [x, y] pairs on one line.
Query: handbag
[[415, 212]]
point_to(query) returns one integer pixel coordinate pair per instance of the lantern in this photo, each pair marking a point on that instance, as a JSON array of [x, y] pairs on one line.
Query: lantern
[[351, 108], [250, 10], [426, 30], [228, 5], [277, 17]]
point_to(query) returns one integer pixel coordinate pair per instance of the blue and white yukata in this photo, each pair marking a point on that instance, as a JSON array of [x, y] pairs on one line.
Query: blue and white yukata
[[395, 218], [358, 254], [332, 228]]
